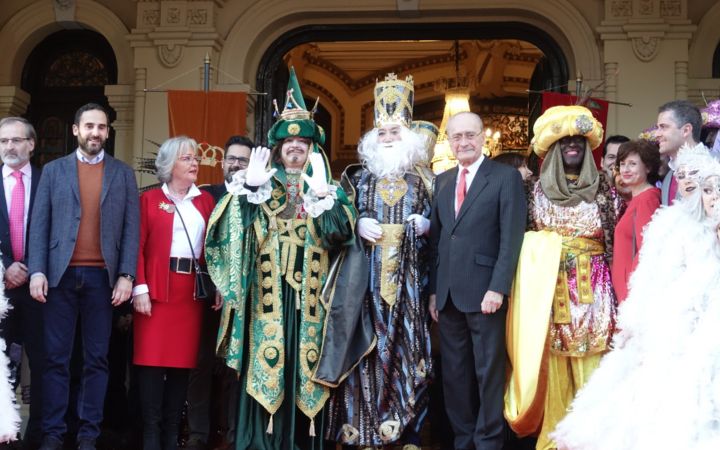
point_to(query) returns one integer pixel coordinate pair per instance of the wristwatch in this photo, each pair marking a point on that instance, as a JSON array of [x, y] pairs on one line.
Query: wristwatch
[[128, 276]]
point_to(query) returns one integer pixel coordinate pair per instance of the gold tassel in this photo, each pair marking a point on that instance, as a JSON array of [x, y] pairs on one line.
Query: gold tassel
[[270, 425], [312, 427]]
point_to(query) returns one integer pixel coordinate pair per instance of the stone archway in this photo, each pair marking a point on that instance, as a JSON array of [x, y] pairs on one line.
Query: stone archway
[[26, 29], [705, 42], [268, 78]]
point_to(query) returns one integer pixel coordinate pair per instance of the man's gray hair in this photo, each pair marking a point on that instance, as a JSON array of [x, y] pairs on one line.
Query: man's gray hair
[[168, 154], [29, 129]]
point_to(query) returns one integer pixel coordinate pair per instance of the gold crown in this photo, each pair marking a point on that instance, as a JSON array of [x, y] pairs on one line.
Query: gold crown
[[210, 155], [394, 101]]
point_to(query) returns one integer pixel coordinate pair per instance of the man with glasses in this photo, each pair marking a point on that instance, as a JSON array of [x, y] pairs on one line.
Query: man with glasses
[[477, 225], [23, 325], [237, 155], [209, 373]]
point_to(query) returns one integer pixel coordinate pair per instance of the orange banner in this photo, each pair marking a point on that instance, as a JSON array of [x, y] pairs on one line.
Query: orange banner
[[209, 117]]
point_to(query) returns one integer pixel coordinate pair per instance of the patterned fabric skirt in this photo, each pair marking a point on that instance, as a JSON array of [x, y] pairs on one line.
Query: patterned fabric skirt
[[387, 394], [290, 427]]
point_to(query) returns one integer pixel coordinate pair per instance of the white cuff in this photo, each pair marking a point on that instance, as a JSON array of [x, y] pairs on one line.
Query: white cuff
[[315, 206], [140, 289]]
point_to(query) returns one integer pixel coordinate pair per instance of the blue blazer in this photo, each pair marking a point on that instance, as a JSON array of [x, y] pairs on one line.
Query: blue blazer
[[5, 245], [56, 219]]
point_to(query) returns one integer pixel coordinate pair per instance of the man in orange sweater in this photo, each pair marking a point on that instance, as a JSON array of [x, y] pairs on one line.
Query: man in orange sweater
[[82, 257]]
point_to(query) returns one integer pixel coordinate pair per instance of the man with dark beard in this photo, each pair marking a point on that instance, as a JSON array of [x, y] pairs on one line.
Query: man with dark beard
[[562, 314], [382, 398], [82, 258]]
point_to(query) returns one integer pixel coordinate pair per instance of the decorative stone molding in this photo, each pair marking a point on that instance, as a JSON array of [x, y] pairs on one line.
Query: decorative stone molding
[[621, 8], [170, 54], [170, 26], [64, 10], [645, 47], [672, 8], [681, 80], [13, 101]]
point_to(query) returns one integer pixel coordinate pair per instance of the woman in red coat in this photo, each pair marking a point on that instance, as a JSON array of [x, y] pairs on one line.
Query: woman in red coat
[[167, 319], [638, 163]]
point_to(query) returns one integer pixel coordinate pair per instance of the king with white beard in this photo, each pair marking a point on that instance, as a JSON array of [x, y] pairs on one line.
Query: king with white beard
[[382, 399]]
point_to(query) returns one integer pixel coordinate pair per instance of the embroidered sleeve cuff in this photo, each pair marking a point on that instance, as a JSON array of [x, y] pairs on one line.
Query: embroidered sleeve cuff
[[140, 289], [315, 206], [255, 194]]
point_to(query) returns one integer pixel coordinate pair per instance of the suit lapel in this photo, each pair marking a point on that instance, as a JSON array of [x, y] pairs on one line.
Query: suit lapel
[[3, 203], [478, 184], [34, 182], [108, 174], [71, 163], [448, 196]]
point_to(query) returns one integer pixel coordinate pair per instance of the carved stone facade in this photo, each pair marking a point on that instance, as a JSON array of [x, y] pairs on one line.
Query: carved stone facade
[[645, 52]]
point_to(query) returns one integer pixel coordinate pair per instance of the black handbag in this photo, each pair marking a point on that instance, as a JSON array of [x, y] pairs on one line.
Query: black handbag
[[204, 287]]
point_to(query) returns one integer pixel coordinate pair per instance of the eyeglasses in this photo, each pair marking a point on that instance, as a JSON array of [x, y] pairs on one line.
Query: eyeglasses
[[470, 135], [189, 159], [236, 159], [16, 141]]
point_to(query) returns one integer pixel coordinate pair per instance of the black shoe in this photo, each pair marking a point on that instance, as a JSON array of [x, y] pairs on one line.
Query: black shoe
[[86, 444], [50, 443]]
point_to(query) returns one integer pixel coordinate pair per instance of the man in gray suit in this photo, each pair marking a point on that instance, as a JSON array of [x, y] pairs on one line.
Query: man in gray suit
[[477, 226], [82, 257], [679, 123]]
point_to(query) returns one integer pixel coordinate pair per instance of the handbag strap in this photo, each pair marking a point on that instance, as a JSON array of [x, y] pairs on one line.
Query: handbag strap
[[187, 235]]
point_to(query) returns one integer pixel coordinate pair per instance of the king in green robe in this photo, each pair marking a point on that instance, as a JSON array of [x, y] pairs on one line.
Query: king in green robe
[[267, 250]]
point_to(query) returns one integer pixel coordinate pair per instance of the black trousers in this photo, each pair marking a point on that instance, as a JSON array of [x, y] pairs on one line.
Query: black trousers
[[473, 354], [162, 395]]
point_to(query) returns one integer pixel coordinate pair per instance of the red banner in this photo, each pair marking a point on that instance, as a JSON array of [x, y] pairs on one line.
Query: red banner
[[209, 117], [598, 107]]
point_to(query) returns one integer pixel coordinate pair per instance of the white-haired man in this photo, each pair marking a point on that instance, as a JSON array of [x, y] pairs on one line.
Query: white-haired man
[[383, 398]]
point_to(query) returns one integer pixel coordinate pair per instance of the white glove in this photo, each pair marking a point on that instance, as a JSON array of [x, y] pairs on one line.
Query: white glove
[[256, 174], [422, 225], [369, 229], [318, 181]]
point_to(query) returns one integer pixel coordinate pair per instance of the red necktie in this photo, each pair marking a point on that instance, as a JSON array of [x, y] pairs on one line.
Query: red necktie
[[460, 191], [17, 217]]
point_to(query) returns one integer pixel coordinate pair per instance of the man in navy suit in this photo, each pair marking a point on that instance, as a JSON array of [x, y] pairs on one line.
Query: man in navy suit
[[23, 325], [82, 258], [477, 227]]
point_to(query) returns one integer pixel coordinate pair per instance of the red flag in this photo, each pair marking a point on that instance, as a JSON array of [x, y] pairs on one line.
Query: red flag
[[598, 107], [209, 117]]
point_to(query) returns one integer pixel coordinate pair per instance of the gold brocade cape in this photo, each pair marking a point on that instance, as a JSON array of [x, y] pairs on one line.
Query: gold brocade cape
[[531, 300], [255, 256]]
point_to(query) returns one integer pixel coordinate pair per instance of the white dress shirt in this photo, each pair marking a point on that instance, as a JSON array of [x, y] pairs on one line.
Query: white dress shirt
[[9, 184], [97, 159], [469, 177]]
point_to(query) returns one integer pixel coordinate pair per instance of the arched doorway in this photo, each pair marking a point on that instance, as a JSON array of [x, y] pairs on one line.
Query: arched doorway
[[551, 72], [66, 70]]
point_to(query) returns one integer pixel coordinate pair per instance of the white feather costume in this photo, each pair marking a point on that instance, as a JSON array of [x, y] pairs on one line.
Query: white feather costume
[[660, 386], [9, 415]]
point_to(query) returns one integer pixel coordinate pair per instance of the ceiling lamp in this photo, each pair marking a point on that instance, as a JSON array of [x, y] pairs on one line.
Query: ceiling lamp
[[457, 99]]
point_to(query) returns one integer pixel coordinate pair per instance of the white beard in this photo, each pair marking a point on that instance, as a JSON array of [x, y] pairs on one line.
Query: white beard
[[393, 159]]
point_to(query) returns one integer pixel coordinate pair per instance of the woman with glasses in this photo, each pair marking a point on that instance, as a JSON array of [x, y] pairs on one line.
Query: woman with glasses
[[168, 317]]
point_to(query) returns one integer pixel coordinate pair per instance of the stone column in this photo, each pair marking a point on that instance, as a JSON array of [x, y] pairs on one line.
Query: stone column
[[681, 80], [121, 99], [611, 74], [13, 101]]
